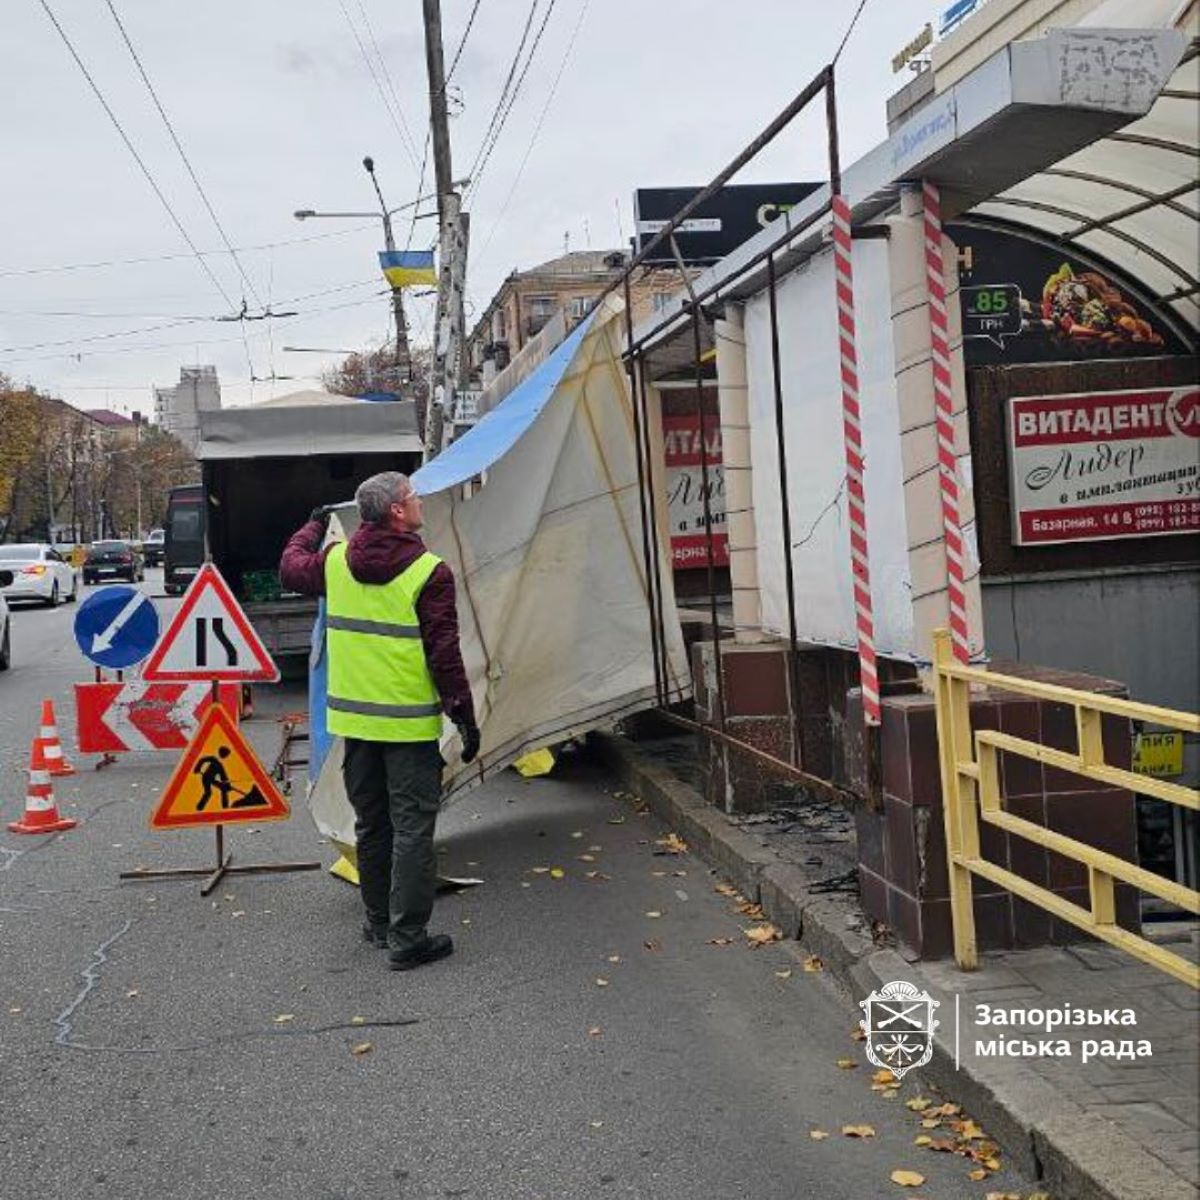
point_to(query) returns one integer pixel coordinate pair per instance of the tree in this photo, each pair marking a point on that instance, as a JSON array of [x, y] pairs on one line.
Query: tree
[[20, 413], [375, 371]]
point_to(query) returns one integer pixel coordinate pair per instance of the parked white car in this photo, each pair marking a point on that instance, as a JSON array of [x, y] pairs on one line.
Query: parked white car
[[5, 625], [39, 573]]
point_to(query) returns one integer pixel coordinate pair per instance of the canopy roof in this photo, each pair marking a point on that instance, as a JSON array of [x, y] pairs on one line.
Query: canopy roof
[[1130, 198]]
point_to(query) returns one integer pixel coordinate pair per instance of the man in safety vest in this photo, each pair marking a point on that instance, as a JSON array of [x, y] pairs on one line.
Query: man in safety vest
[[394, 668]]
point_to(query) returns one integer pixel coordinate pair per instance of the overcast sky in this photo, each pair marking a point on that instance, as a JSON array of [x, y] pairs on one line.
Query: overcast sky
[[275, 105]]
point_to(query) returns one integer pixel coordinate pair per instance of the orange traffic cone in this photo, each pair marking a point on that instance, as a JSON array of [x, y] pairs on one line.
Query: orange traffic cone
[[41, 813], [47, 749]]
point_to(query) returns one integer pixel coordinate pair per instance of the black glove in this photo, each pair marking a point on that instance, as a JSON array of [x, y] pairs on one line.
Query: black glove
[[321, 516], [469, 732]]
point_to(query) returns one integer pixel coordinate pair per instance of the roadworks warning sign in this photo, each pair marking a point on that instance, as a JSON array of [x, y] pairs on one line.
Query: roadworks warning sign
[[218, 781]]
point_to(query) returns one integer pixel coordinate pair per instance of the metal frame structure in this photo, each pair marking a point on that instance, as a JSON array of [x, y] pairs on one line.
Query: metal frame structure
[[698, 308], [970, 767]]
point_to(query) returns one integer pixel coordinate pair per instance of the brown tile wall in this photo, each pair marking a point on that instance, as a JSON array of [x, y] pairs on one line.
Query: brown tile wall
[[902, 850]]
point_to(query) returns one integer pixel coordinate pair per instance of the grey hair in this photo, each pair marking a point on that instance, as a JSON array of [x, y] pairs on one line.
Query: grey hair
[[377, 494]]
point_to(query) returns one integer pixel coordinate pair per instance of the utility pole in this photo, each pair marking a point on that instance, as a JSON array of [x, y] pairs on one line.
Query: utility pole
[[453, 232], [389, 241]]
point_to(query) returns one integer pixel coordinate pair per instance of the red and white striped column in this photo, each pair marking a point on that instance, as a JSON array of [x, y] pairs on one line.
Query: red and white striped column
[[944, 405], [852, 437]]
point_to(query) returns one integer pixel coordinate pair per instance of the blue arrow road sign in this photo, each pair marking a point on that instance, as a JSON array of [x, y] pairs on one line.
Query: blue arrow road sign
[[116, 626]]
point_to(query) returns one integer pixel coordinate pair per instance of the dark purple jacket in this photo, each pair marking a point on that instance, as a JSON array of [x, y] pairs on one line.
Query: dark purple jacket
[[378, 555]]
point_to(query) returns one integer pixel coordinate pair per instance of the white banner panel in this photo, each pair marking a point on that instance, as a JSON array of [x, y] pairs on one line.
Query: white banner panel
[[812, 399]]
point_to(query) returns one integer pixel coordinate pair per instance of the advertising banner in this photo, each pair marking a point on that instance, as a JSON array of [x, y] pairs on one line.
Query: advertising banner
[[1104, 465], [685, 495], [1023, 301]]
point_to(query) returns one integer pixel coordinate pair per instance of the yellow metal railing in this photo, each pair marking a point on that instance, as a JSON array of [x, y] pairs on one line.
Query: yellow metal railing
[[971, 793]]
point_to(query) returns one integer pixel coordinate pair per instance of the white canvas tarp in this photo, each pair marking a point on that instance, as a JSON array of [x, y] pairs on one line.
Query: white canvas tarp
[[812, 398], [547, 555]]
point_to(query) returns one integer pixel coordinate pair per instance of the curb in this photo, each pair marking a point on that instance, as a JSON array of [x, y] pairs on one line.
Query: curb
[[1045, 1133]]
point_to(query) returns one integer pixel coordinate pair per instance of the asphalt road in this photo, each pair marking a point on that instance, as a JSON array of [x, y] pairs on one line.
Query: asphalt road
[[157, 1044]]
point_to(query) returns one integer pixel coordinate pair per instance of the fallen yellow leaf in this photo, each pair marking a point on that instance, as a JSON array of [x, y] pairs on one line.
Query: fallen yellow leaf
[[930, 1123], [654, 913], [614, 958], [858, 1034], [601, 981], [784, 974], [760, 935], [812, 964], [923, 1140], [587, 858], [284, 1018], [596, 1124], [817, 1135], [884, 1076], [361, 1048], [847, 1064], [1006, 1196], [917, 1103], [725, 889], [672, 844], [976, 1175], [907, 1178], [557, 872], [968, 1130], [859, 1131], [358, 1020], [540, 870], [723, 941]]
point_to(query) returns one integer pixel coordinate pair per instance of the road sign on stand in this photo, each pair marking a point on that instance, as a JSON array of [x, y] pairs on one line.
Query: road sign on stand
[[210, 637], [116, 627], [218, 781], [114, 718]]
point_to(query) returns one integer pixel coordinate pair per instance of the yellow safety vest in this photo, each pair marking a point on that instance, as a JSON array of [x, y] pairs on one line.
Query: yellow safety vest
[[380, 688]]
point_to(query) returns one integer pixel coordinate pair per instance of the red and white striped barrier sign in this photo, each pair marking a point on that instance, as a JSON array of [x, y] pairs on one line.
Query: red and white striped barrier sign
[[112, 718], [944, 402], [852, 436]]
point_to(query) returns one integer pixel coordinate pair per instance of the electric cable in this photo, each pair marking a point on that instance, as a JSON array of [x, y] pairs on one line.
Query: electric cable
[[477, 175], [512, 71], [401, 125], [136, 156], [462, 41], [157, 258], [187, 162], [537, 129], [849, 30]]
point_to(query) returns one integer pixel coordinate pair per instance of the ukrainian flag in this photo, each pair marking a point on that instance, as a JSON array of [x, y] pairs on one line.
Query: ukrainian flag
[[404, 268]]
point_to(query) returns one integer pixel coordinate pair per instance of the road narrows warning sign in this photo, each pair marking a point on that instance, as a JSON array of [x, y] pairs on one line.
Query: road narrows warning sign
[[210, 637], [218, 781]]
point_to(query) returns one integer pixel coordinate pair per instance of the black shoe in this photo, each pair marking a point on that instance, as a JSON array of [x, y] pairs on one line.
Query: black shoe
[[430, 949], [375, 935]]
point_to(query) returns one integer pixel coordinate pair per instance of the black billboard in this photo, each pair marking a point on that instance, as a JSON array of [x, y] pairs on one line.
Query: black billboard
[[723, 222], [1027, 301]]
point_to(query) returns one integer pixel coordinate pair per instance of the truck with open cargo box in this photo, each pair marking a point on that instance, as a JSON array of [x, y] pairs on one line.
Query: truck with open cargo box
[[266, 467]]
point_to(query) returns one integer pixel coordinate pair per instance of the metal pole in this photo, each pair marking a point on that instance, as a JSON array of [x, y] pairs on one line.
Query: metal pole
[[389, 241], [651, 572], [786, 512], [651, 484]]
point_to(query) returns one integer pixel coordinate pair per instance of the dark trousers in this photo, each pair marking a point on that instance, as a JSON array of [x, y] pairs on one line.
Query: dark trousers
[[395, 789]]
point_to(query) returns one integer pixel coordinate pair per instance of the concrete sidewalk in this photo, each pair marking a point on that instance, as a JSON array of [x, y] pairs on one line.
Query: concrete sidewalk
[[1123, 1129]]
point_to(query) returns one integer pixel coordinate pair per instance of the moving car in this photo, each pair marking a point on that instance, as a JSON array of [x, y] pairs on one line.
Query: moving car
[[39, 572], [153, 546], [113, 560], [6, 577]]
